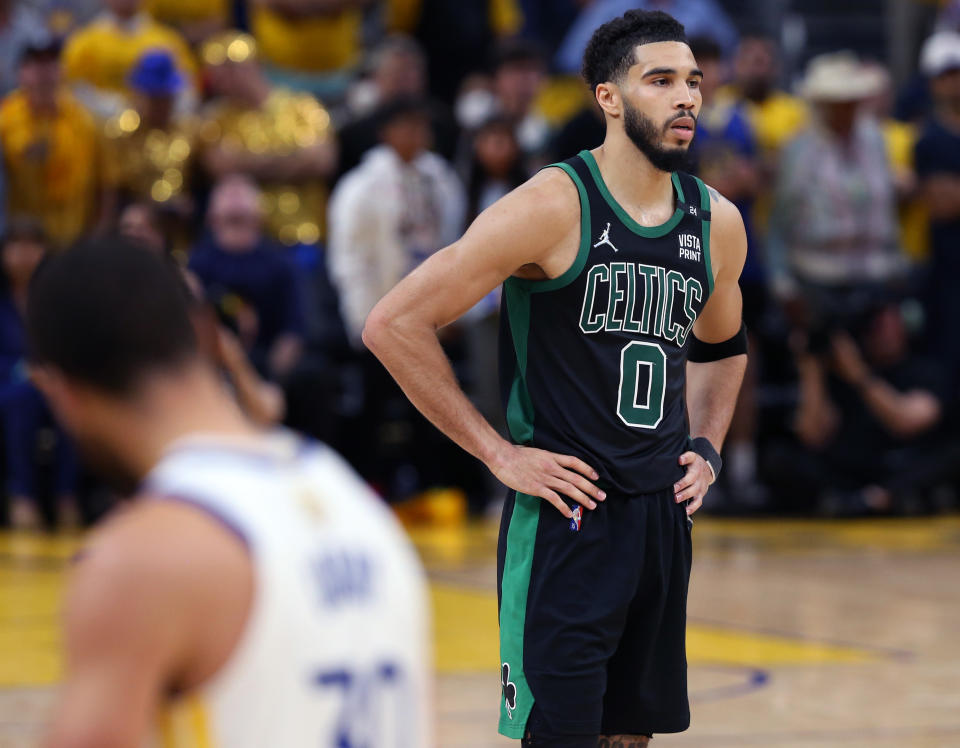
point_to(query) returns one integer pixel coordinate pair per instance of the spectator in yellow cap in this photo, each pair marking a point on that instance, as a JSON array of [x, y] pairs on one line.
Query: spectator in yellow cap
[[99, 57], [283, 140]]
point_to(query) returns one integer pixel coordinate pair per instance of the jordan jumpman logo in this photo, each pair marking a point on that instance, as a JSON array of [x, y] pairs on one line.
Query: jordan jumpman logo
[[605, 239]]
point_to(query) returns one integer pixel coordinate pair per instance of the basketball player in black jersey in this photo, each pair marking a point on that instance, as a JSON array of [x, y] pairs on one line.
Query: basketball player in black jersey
[[622, 351]]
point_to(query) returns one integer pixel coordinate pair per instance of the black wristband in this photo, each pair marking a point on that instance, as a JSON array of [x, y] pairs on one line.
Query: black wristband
[[703, 447], [702, 353]]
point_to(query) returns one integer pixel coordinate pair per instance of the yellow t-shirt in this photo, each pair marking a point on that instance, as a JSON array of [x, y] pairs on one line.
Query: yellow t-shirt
[[175, 12], [774, 121], [53, 166], [900, 138], [286, 123], [103, 53], [312, 44]]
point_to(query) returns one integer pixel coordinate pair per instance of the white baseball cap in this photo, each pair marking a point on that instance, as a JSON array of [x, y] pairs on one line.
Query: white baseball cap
[[940, 53]]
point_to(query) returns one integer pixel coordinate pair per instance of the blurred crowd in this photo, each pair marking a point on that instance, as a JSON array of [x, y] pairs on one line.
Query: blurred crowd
[[298, 157]]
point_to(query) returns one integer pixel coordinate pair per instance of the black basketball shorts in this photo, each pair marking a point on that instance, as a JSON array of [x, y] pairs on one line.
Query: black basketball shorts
[[593, 616]]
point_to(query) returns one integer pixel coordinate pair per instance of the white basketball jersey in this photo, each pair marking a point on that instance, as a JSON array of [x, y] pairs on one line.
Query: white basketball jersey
[[335, 650]]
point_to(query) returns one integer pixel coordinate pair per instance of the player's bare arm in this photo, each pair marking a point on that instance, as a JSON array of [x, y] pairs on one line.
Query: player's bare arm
[[533, 233], [142, 621], [712, 386]]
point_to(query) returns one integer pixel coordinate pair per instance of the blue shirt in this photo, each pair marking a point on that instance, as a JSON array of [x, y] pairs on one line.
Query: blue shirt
[[699, 18], [727, 128], [13, 346], [264, 278], [3, 198], [938, 152]]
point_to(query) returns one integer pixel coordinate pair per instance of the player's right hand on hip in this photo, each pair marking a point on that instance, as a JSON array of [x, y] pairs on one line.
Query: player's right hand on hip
[[537, 472]]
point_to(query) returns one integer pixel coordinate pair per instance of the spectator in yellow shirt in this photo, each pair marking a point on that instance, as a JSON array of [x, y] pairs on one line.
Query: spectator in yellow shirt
[[901, 140], [197, 20], [51, 152], [284, 140], [775, 116], [309, 44], [98, 58]]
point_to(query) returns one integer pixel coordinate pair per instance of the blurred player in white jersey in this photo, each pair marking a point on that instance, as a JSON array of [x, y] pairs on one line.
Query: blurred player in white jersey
[[255, 593]]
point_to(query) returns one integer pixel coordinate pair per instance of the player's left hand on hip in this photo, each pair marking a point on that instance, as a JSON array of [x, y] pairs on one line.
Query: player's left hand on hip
[[694, 484]]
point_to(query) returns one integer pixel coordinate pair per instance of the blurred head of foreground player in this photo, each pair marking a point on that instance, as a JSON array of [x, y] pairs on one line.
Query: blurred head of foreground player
[[244, 591], [162, 595], [113, 349]]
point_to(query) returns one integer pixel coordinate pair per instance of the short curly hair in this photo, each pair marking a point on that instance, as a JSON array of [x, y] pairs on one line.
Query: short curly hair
[[610, 51]]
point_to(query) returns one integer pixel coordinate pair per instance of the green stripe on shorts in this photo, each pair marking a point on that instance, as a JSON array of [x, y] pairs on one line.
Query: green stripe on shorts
[[517, 699]]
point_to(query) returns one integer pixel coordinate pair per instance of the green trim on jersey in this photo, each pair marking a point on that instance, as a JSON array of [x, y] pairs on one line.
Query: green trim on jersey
[[535, 286], [705, 205], [519, 404], [648, 231], [514, 589]]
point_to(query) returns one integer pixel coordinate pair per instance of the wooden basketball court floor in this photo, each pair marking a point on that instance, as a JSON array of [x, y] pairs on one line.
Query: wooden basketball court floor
[[802, 633]]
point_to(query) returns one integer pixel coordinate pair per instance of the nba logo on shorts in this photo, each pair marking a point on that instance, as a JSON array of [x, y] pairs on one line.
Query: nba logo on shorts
[[576, 519]]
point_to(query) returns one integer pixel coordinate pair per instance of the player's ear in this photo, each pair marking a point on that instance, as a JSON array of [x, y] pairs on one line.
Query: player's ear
[[609, 98]]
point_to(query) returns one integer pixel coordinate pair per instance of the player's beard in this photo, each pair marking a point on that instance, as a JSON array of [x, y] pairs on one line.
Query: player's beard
[[644, 134]]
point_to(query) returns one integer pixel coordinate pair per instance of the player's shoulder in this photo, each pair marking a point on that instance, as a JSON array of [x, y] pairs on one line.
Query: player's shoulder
[[526, 226], [724, 215], [161, 548], [549, 197], [153, 585], [551, 185], [728, 234]]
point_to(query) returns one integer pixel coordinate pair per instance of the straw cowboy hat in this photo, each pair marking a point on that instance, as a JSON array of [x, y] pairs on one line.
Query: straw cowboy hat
[[840, 77]]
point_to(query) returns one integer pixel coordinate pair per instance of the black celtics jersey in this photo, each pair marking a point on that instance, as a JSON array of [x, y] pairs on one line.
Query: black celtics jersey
[[593, 362]]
